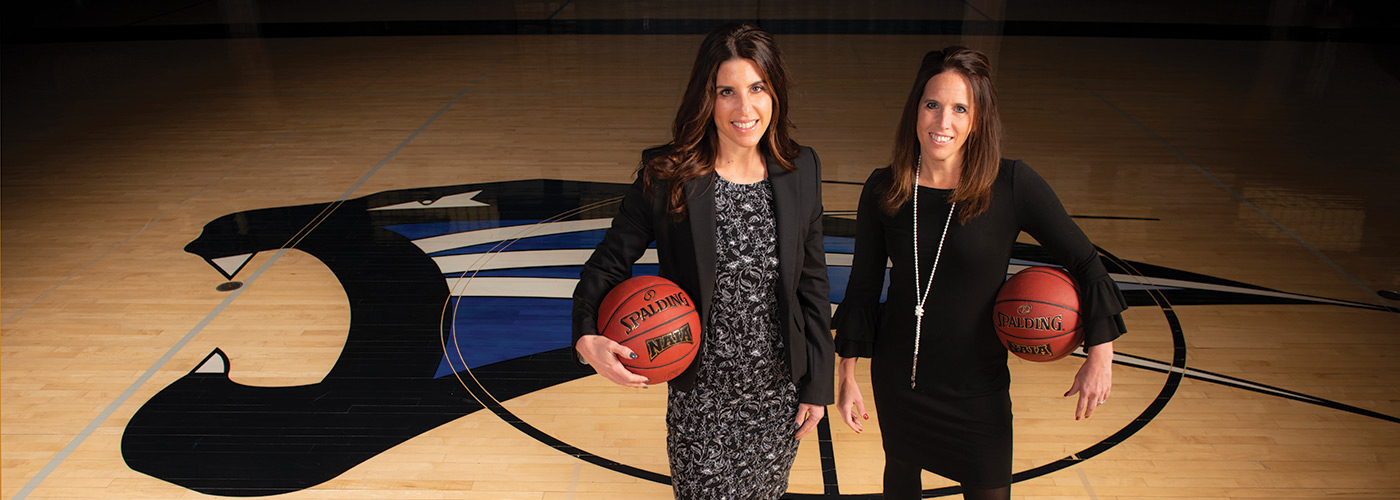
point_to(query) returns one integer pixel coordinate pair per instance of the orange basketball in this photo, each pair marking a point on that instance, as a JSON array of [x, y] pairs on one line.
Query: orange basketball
[[1036, 314], [656, 319]]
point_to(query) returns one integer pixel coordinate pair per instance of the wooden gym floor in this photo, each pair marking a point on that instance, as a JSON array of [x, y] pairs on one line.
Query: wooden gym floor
[[404, 188]]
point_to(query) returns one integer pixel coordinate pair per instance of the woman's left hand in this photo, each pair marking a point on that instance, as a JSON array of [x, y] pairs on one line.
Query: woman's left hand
[[808, 416], [1094, 380]]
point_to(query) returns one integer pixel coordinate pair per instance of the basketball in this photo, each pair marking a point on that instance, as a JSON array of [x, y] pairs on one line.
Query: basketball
[[1036, 314], [656, 319]]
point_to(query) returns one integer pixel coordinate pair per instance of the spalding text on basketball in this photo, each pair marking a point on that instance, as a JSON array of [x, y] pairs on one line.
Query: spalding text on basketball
[[1054, 323], [656, 345], [636, 318]]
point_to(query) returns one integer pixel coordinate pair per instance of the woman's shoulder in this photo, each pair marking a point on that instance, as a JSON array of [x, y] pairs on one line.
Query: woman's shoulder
[[879, 176], [1023, 180], [1012, 169], [664, 157], [806, 158], [655, 152], [648, 175], [1009, 166]]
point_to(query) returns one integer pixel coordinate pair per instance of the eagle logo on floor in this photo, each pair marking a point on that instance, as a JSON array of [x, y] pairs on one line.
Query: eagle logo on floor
[[434, 276]]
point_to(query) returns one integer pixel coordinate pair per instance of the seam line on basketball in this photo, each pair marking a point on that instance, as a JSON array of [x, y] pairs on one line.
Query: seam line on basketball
[[1061, 306]]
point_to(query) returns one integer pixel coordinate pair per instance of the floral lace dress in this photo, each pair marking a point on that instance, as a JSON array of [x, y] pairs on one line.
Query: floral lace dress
[[731, 436]]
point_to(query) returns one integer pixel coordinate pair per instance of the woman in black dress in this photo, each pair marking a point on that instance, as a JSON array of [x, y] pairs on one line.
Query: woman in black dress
[[734, 207], [939, 373]]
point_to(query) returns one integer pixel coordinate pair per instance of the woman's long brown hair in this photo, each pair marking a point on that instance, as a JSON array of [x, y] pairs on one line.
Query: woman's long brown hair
[[981, 152], [691, 152]]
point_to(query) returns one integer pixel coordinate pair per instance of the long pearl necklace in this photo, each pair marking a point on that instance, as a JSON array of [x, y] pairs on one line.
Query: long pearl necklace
[[919, 308]]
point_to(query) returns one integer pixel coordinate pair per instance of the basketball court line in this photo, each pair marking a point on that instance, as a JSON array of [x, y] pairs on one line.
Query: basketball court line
[[573, 481], [140, 381], [121, 399], [1369, 292], [978, 11], [89, 264], [235, 169], [160, 217], [558, 10], [1088, 488]]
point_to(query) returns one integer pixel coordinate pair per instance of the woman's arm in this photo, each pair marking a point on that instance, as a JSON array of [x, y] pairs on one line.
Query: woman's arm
[[610, 264], [849, 402], [857, 318], [814, 295], [1040, 214], [814, 299]]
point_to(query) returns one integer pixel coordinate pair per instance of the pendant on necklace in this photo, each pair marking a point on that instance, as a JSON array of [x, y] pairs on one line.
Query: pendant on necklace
[[918, 311]]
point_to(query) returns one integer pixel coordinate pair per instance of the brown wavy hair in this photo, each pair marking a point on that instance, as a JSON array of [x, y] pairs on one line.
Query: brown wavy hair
[[691, 152], [981, 152]]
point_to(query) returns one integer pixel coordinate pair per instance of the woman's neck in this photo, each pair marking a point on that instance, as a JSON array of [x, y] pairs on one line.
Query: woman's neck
[[940, 175], [740, 166]]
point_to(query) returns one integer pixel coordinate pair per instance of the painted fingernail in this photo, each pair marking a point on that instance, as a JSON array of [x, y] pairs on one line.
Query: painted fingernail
[[867, 416], [633, 355]]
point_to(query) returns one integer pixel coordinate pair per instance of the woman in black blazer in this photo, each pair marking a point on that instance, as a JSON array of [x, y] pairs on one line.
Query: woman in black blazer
[[734, 207]]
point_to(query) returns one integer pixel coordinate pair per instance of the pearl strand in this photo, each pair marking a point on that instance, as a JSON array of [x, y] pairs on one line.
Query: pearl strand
[[919, 308]]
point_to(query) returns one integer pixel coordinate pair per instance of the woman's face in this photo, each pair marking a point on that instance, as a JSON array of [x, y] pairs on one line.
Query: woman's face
[[945, 118], [743, 104]]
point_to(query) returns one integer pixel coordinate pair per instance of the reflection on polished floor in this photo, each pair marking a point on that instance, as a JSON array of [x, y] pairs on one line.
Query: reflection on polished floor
[[404, 191]]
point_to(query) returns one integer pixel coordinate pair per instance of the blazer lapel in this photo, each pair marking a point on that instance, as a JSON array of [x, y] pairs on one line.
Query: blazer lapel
[[787, 212], [700, 207]]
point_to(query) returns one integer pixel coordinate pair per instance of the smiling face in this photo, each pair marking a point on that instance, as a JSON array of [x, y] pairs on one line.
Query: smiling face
[[945, 119], [743, 105]]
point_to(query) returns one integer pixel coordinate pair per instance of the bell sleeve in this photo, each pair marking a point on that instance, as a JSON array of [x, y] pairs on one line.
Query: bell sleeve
[[858, 317], [1039, 213]]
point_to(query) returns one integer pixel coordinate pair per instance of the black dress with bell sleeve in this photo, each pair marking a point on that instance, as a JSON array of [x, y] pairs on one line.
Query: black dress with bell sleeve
[[956, 419]]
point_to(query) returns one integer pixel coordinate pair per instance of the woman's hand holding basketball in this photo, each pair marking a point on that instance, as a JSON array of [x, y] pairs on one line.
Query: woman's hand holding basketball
[[849, 402], [1094, 380], [602, 353]]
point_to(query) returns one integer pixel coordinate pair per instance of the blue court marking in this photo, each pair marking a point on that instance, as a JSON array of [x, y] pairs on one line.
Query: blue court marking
[[492, 329], [430, 229], [839, 276], [487, 330], [570, 272], [839, 244]]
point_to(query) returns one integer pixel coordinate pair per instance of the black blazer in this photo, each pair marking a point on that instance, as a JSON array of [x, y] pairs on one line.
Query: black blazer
[[686, 251]]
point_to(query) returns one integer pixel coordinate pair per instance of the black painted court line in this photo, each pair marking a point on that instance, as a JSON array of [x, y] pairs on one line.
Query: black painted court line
[[828, 453]]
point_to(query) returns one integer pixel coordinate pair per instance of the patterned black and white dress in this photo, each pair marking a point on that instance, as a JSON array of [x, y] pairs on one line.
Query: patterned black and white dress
[[732, 435]]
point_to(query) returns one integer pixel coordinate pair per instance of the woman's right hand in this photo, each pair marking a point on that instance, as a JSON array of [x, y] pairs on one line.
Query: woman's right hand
[[850, 403], [602, 353]]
